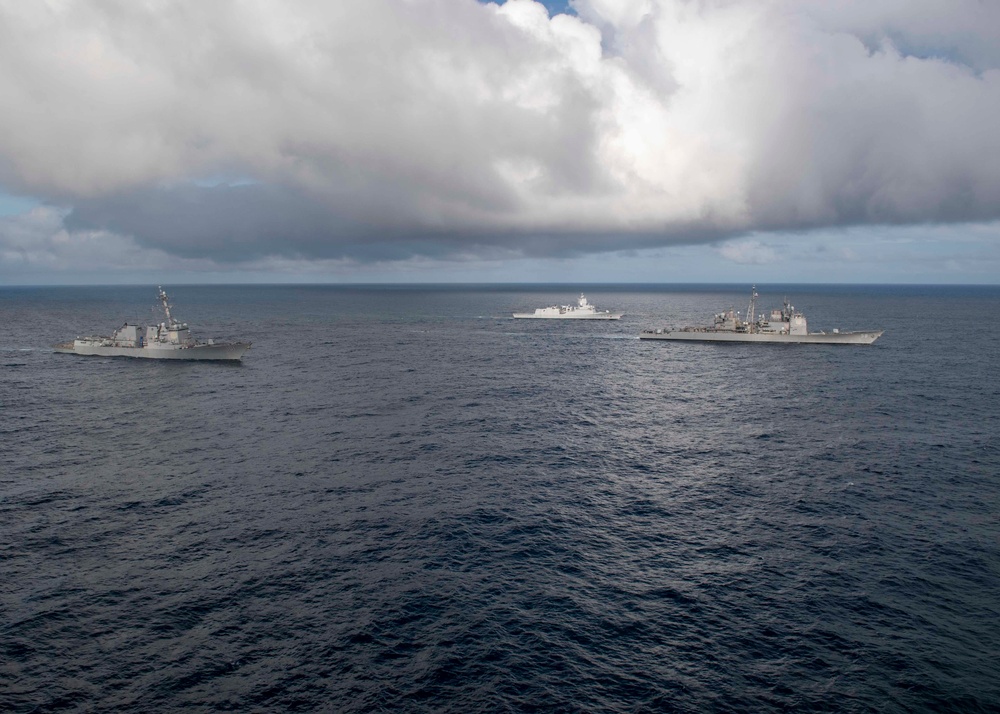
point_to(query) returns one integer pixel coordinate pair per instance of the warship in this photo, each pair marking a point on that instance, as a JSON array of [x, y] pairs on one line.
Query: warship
[[170, 339], [786, 325], [583, 310]]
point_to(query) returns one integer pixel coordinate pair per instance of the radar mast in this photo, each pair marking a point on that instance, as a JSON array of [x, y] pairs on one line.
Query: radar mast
[[166, 306], [752, 309]]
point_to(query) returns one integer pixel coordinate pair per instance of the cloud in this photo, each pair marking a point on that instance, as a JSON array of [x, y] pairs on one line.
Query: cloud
[[386, 129], [37, 243], [37, 246], [747, 252]]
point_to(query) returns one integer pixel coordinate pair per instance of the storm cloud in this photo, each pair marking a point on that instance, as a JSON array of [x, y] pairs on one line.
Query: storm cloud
[[234, 131]]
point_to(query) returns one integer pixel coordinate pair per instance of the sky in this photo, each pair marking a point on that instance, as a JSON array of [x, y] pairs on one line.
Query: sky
[[427, 141]]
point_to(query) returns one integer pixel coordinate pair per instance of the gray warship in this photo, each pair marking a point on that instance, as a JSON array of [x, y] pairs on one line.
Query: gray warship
[[168, 340], [786, 325]]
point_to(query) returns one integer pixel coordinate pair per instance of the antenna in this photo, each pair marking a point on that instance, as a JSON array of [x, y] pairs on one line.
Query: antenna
[[166, 307], [752, 309]]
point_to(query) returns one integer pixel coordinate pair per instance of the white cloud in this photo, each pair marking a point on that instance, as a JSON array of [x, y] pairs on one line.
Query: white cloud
[[385, 129]]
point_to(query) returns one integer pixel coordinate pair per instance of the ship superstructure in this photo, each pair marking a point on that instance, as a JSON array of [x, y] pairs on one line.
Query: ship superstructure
[[170, 339], [583, 310], [786, 325]]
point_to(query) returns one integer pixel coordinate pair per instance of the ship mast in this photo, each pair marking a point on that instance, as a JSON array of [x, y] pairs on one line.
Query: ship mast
[[752, 309], [166, 307]]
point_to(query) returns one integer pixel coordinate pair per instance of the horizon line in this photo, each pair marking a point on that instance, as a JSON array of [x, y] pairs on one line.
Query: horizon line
[[489, 284]]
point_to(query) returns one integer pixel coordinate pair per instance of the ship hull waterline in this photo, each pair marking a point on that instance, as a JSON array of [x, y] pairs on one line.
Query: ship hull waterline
[[599, 316], [821, 338], [219, 352]]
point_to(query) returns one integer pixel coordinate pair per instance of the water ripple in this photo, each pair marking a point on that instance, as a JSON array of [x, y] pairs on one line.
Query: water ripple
[[399, 505]]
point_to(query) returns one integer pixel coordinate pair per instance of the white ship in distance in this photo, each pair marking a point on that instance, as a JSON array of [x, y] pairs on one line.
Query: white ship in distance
[[583, 310]]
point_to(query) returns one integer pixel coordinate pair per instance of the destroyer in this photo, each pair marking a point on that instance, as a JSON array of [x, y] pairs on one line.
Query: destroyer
[[583, 310], [168, 340], [786, 325]]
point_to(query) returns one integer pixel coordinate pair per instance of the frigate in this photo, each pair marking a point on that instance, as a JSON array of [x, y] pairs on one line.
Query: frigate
[[583, 310], [786, 325], [170, 339]]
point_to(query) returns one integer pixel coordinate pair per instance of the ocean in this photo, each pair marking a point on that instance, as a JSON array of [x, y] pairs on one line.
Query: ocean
[[403, 500]]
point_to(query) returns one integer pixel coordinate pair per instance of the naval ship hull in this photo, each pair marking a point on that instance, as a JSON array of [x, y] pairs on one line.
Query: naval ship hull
[[231, 351], [821, 338], [598, 316]]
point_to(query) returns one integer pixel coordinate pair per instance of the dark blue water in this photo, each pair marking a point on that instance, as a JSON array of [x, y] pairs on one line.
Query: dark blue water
[[403, 500]]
